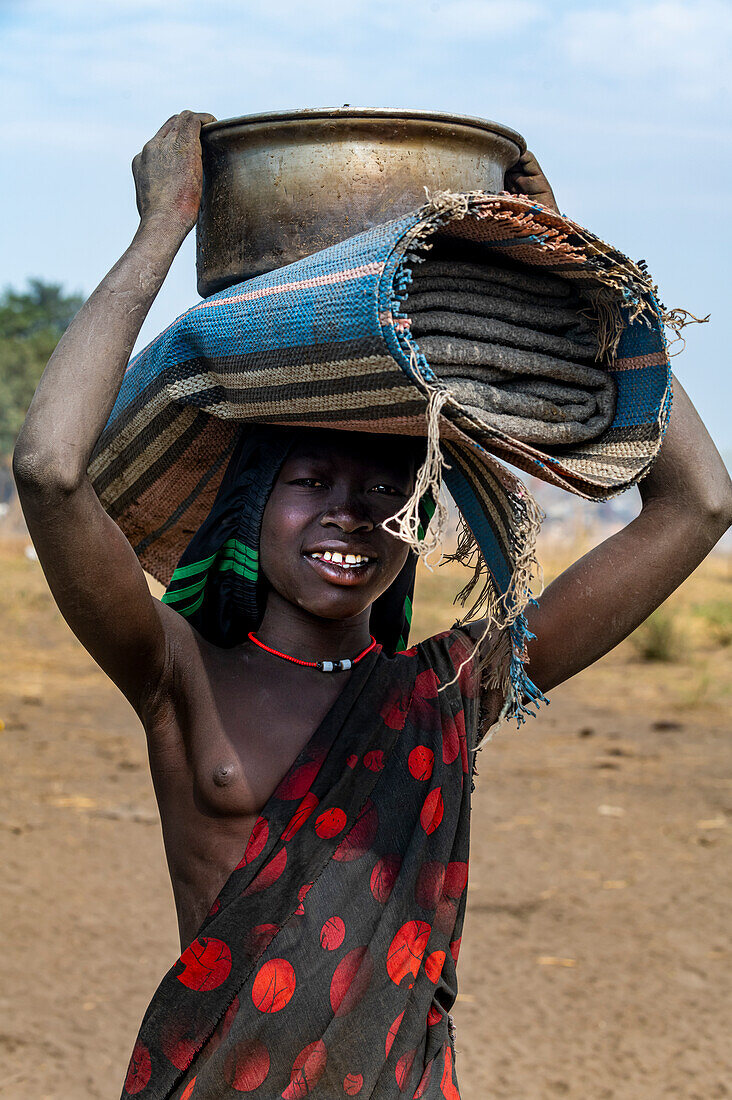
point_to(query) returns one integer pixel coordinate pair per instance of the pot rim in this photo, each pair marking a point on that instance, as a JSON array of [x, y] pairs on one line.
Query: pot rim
[[307, 114]]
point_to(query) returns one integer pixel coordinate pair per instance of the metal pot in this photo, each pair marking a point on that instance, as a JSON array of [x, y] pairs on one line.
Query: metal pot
[[277, 187]]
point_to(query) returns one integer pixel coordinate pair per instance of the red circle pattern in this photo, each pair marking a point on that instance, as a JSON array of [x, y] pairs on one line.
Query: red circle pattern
[[421, 762], [206, 964], [140, 1068], [352, 1084], [273, 985], [247, 1066], [330, 822], [332, 934]]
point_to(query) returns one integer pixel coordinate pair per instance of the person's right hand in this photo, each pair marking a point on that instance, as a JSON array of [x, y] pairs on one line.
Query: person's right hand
[[168, 174], [526, 178]]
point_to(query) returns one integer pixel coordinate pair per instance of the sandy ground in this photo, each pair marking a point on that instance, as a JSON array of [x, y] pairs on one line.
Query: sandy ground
[[596, 958]]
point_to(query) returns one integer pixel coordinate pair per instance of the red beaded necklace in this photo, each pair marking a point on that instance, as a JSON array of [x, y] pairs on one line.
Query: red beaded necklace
[[322, 666]]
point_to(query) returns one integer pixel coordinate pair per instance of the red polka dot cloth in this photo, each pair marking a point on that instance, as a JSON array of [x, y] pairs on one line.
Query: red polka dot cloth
[[327, 965]]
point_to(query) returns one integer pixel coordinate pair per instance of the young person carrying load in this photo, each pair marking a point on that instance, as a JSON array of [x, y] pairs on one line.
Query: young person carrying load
[[312, 773]]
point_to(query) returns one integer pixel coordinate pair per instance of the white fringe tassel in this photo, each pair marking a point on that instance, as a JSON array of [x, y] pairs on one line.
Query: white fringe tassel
[[406, 523]]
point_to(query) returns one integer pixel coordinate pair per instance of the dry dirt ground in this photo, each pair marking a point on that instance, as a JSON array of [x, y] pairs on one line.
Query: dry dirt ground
[[596, 955]]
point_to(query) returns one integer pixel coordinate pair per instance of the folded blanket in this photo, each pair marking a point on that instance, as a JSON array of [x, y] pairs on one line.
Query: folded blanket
[[514, 348], [491, 325]]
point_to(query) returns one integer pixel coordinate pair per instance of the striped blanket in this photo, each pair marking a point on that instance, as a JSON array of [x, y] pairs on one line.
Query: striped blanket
[[330, 341]]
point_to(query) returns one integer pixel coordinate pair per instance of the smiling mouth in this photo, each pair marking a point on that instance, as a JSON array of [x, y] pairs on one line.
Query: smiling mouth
[[342, 561], [341, 570]]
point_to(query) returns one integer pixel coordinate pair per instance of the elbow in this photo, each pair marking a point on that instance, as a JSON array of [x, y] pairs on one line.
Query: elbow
[[714, 517], [40, 474], [719, 507], [706, 513]]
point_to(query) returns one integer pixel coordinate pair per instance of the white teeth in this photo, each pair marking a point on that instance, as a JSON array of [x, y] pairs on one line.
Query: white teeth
[[347, 561]]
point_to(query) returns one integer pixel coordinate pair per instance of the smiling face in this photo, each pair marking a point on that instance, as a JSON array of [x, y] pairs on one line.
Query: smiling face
[[322, 546]]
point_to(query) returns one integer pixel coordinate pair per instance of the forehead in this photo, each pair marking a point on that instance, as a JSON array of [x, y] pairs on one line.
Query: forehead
[[362, 448]]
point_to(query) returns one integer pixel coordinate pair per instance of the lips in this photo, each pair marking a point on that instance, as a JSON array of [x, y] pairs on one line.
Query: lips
[[341, 567]]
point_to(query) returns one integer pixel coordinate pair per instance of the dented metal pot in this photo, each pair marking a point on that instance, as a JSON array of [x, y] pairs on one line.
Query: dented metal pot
[[277, 187]]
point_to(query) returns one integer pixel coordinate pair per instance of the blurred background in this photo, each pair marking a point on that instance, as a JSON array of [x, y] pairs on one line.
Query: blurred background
[[596, 957]]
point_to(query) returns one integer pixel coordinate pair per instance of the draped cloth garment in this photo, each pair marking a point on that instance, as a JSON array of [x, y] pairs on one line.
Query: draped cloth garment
[[327, 965]]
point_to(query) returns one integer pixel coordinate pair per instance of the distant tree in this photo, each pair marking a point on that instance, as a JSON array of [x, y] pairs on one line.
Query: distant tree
[[31, 324]]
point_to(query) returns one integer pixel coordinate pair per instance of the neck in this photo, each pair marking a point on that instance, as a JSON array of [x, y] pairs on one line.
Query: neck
[[299, 634]]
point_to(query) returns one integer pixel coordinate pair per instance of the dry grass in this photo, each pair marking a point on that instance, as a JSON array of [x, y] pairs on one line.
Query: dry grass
[[659, 637]]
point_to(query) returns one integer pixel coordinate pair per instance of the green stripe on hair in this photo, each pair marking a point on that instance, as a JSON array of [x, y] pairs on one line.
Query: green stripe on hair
[[402, 643], [231, 565], [242, 550], [188, 570], [240, 559], [427, 509], [185, 611], [234, 555], [189, 590]]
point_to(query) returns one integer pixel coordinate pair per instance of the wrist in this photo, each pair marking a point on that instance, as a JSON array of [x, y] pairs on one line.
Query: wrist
[[165, 228]]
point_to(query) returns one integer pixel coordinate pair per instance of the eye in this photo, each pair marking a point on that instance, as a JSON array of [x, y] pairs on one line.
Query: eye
[[308, 482], [390, 490]]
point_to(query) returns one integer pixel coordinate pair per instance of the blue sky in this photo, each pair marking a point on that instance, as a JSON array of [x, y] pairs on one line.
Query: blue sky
[[626, 104]]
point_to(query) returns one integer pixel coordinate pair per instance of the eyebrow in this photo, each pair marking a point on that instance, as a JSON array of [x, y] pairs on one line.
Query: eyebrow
[[310, 456], [378, 469]]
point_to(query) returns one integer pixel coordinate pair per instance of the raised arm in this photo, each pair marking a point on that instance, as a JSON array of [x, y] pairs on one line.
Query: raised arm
[[687, 507], [603, 597], [90, 566]]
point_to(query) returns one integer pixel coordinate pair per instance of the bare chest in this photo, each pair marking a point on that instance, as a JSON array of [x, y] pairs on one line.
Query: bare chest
[[241, 727], [232, 737]]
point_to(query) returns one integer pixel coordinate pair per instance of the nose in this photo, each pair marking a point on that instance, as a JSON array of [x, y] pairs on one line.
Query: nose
[[348, 514]]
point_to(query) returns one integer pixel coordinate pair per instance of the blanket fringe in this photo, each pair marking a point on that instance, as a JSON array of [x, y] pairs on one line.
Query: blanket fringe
[[406, 524], [502, 666], [507, 673], [617, 278], [677, 319], [526, 570]]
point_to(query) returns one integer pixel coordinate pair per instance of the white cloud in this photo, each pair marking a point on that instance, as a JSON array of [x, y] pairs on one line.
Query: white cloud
[[467, 17], [101, 75], [626, 102], [96, 82], [451, 20], [685, 43], [82, 72]]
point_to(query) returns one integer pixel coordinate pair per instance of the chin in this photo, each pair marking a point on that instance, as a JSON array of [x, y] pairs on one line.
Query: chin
[[337, 609]]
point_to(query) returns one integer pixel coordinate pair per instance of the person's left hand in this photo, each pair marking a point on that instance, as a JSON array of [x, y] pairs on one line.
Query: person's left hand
[[525, 177]]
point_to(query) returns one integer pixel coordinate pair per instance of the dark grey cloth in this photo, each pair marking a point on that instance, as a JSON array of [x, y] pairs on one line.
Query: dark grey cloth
[[548, 286], [517, 349]]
